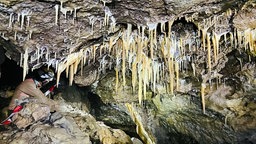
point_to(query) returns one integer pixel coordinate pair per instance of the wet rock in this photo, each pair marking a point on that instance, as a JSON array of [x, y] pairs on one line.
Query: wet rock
[[31, 113], [69, 126], [106, 89], [89, 76], [73, 95], [99, 132], [136, 141], [247, 12], [183, 121]]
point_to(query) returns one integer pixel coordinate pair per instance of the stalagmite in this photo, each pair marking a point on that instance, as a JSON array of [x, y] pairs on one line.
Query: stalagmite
[[203, 86]]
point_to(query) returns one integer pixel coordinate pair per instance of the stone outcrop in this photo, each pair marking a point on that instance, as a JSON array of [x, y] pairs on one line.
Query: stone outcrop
[[35, 124]]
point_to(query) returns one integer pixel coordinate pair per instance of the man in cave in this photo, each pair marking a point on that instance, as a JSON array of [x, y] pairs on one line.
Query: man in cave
[[30, 87]]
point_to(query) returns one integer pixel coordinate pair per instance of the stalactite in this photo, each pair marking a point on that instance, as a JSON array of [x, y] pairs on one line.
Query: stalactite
[[239, 37], [155, 41], [194, 69], [151, 42], [15, 35], [75, 14], [21, 58], [235, 38], [64, 11], [82, 66], [67, 67], [204, 31], [163, 27], [139, 126], [71, 74], [61, 67], [110, 44], [30, 34], [145, 75], [38, 54], [139, 52], [134, 74], [209, 52], [177, 75], [170, 22], [170, 62], [155, 71], [56, 14], [140, 83], [22, 20], [25, 63], [125, 50], [214, 47], [152, 27], [76, 65], [10, 21], [203, 86], [28, 21], [231, 39], [94, 53], [47, 54], [117, 80]]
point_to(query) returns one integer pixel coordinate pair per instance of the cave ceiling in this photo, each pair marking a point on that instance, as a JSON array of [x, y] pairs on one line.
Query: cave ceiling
[[65, 33]]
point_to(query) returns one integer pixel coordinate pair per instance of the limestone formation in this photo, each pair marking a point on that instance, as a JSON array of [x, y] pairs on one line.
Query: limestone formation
[[146, 52]]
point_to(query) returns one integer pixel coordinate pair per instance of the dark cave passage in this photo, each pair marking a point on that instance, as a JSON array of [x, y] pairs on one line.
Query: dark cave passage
[[11, 74]]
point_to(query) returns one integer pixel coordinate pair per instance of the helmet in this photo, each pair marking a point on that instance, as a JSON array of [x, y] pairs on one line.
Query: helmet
[[45, 75]]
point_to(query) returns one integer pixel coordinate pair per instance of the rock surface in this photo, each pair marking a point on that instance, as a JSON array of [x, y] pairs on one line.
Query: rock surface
[[174, 57], [35, 124]]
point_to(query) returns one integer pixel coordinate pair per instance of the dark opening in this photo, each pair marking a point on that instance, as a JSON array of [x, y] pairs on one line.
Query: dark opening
[[11, 74]]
